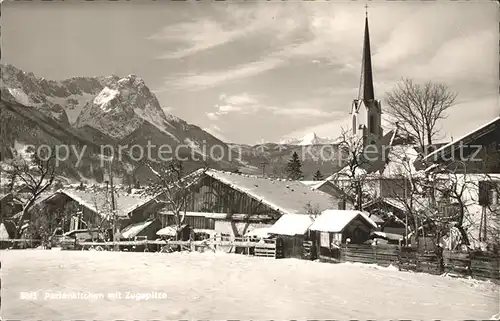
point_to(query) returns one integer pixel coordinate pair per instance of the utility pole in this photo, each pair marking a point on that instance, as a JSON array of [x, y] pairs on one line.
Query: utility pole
[[116, 229], [263, 165], [406, 215]]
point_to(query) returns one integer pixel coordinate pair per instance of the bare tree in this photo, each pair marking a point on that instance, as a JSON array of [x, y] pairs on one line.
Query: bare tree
[[312, 210], [173, 189], [350, 179], [454, 186], [45, 220], [404, 184], [36, 176], [418, 108]]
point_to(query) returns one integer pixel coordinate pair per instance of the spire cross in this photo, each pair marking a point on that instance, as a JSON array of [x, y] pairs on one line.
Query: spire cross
[[366, 10]]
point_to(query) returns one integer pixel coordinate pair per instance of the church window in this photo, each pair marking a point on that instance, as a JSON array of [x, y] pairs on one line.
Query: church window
[[372, 124], [354, 124]]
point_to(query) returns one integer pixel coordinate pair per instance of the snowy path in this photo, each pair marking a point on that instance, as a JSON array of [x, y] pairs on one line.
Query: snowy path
[[225, 286]]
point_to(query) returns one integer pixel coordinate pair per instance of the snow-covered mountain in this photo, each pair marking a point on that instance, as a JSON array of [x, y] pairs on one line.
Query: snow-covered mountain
[[61, 100], [308, 139], [126, 103], [102, 110]]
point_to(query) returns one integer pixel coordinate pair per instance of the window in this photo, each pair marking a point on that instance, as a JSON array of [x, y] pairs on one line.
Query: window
[[489, 193], [394, 187], [354, 124], [371, 124], [494, 197]]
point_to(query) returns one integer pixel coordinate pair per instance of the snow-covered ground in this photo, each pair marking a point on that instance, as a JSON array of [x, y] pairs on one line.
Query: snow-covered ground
[[229, 286]]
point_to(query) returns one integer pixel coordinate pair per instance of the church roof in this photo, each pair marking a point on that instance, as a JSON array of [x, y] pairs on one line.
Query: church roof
[[366, 89]]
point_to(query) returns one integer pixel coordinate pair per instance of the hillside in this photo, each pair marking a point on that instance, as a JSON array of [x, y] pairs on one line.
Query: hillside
[[322, 157]]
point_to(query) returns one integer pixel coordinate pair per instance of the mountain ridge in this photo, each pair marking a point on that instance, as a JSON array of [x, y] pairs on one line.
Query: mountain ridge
[[105, 110]]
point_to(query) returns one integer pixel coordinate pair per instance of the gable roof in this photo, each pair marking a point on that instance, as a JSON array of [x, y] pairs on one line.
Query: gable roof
[[336, 220], [98, 202], [283, 196], [467, 138], [291, 224], [419, 203], [314, 184]]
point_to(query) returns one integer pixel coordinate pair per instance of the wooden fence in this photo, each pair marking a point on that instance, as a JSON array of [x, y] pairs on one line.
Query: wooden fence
[[475, 264], [19, 243], [308, 250], [265, 251], [361, 253], [412, 260]]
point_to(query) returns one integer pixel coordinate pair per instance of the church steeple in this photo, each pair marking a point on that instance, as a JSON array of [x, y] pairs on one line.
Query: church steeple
[[366, 111], [366, 91]]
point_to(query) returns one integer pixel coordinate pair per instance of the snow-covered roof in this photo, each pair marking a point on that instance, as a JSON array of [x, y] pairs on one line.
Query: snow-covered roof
[[336, 220], [345, 173], [291, 224], [419, 202], [388, 236], [98, 201], [284, 196], [4, 234], [170, 230], [262, 232], [315, 184], [205, 231], [132, 230], [462, 138], [375, 218], [401, 160]]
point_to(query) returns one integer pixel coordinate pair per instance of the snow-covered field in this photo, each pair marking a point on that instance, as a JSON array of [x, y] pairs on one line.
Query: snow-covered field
[[228, 286]]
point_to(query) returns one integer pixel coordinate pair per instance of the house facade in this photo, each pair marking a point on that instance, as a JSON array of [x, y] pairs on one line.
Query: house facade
[[72, 209], [234, 203], [335, 227]]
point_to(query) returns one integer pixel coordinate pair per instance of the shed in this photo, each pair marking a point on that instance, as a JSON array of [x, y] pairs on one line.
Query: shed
[[334, 227], [291, 231]]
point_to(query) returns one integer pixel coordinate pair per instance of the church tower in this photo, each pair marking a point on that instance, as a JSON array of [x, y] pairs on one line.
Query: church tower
[[366, 111]]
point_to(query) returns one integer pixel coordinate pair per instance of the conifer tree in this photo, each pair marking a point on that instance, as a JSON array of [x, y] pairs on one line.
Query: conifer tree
[[293, 168], [318, 176]]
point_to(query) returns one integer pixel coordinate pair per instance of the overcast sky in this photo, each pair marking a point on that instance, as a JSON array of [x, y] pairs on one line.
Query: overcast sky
[[253, 72]]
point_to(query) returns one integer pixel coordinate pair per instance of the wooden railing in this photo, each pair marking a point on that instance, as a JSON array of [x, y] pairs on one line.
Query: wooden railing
[[20, 243]]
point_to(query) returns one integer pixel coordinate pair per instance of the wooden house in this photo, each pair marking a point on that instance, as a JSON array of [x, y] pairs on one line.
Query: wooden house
[[479, 150], [391, 213], [234, 203], [335, 227], [292, 230], [9, 205], [76, 209]]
